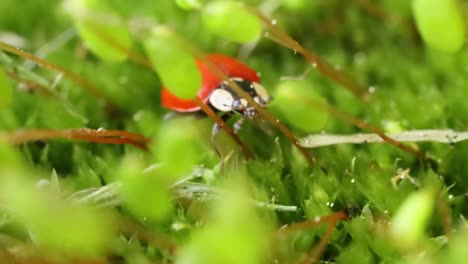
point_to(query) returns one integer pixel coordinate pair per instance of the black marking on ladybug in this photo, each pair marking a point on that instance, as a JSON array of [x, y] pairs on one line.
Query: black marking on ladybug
[[225, 99]]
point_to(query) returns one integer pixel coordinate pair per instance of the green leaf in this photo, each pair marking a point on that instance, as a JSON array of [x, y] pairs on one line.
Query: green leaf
[[178, 147], [173, 62], [234, 234], [411, 219], [295, 5], [144, 195], [440, 23], [188, 4], [6, 90], [297, 100], [8, 157], [231, 20], [102, 30], [53, 223]]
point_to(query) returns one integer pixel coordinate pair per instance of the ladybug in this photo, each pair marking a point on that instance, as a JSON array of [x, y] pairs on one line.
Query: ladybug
[[217, 93]]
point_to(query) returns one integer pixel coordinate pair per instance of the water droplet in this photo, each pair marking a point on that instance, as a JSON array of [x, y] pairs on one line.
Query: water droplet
[[353, 180], [273, 22], [332, 204], [385, 212], [450, 197], [314, 65], [371, 89], [317, 219]]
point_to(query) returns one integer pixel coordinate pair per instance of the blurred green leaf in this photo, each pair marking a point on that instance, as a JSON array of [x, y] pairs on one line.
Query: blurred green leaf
[[440, 23], [55, 224], [297, 101], [411, 220], [173, 62], [188, 4], [244, 238], [102, 30], [231, 20], [145, 195], [6, 90], [178, 147]]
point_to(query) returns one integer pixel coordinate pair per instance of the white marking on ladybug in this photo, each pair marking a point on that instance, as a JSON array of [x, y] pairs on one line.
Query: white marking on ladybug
[[262, 93], [244, 102], [222, 100]]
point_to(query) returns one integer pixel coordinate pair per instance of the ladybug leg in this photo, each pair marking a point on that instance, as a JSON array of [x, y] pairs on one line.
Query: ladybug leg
[[238, 124]]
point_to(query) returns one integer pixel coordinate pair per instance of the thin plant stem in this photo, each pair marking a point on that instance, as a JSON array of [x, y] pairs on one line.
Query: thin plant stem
[[315, 253], [295, 227], [276, 34], [363, 125], [139, 59], [247, 152], [86, 85], [446, 136], [262, 111], [133, 56], [85, 134], [317, 250], [245, 95], [30, 84]]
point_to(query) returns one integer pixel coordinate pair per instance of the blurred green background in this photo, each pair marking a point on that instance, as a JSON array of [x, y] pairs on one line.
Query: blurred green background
[[75, 202]]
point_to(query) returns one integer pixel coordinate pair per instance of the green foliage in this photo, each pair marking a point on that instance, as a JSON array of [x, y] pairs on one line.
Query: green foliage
[[178, 147], [231, 20], [55, 224], [440, 23], [6, 90], [113, 203], [244, 236], [173, 61], [103, 31], [189, 4], [296, 100], [411, 219], [145, 195]]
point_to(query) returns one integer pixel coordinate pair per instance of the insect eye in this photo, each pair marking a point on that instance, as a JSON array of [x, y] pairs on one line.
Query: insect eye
[[222, 100], [261, 92]]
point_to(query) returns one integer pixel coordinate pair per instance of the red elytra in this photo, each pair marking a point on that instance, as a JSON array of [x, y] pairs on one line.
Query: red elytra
[[230, 66]]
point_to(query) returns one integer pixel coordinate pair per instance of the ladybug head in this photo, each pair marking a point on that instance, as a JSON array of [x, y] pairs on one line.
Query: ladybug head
[[225, 99]]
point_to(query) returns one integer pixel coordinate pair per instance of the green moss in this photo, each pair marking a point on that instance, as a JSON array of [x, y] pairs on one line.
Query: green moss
[[194, 201]]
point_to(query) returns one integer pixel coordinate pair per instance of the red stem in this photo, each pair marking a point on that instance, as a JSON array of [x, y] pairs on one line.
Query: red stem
[[85, 134]]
